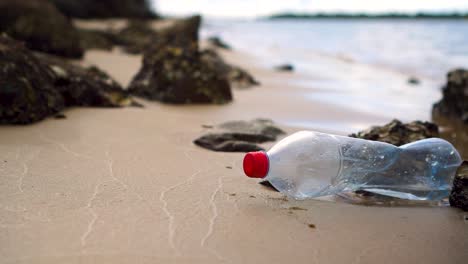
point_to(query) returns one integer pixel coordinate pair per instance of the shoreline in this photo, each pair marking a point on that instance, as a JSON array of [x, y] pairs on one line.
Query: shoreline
[[279, 87]]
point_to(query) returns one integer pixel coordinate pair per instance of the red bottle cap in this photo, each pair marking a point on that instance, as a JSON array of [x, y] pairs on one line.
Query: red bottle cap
[[256, 164]]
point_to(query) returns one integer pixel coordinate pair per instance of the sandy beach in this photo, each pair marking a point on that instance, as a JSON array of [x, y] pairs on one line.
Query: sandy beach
[[128, 185]]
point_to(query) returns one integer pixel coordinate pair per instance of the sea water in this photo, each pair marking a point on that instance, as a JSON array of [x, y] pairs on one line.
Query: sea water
[[358, 63]]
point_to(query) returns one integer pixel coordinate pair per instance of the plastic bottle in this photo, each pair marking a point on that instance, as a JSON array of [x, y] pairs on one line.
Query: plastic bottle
[[310, 164]]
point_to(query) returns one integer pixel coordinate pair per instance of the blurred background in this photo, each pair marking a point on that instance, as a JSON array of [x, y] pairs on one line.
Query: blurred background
[[255, 8], [393, 64]]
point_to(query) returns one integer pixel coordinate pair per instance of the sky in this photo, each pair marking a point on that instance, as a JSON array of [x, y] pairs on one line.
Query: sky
[[252, 8]]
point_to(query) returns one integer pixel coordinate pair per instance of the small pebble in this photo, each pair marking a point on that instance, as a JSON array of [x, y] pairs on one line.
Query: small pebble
[[297, 208], [60, 116], [413, 81]]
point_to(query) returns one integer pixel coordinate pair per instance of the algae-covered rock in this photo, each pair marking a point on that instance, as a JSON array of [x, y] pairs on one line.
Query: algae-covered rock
[[174, 72], [240, 136], [459, 195], [27, 92], [41, 26], [237, 76], [105, 8], [179, 76], [454, 102], [227, 142], [398, 134], [35, 85], [257, 130], [85, 86]]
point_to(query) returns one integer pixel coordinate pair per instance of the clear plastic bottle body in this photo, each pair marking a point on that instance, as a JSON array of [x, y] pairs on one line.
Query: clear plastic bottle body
[[310, 164]]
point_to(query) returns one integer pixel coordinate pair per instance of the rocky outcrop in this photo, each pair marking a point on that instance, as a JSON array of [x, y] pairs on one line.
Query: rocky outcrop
[[85, 86], [173, 70], [105, 8], [454, 103], [240, 136], [459, 195], [41, 26], [398, 134], [34, 86], [27, 92], [179, 76], [238, 77]]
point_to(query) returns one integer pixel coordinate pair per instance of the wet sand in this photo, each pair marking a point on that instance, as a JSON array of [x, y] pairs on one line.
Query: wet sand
[[128, 186]]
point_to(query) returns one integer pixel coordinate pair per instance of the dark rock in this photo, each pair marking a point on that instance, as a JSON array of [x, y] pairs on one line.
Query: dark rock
[[174, 72], [96, 39], [454, 102], [297, 208], [414, 81], [85, 86], [41, 26], [238, 77], [27, 93], [459, 195], [398, 134], [34, 86], [258, 130], [285, 67], [240, 136], [179, 76], [60, 116], [105, 8], [218, 43], [226, 142]]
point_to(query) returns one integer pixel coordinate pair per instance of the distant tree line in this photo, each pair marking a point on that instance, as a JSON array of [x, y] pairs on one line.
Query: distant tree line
[[392, 15]]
